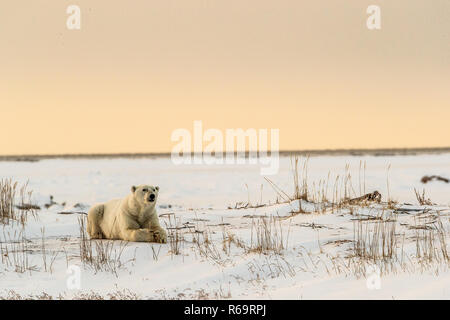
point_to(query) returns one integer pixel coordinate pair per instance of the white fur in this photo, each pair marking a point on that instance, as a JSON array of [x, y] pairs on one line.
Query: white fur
[[132, 218]]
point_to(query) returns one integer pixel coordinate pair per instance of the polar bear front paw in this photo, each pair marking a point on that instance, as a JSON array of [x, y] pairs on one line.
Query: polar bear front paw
[[160, 235]]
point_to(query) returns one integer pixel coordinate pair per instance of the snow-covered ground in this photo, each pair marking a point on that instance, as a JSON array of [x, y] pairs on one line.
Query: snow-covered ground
[[216, 213]]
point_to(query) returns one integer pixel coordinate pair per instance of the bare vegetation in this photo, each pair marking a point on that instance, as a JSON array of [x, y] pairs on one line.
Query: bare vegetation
[[123, 294], [431, 241], [175, 237], [422, 199], [206, 247], [343, 193], [273, 266], [15, 252], [267, 236], [13, 295], [378, 242], [100, 255], [48, 265], [15, 202], [375, 239]]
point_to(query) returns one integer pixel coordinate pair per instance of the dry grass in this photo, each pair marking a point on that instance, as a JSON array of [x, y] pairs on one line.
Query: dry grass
[[155, 254], [48, 265], [15, 202], [377, 242], [13, 295], [375, 239], [273, 266], [431, 241], [300, 184], [199, 294], [124, 294], [267, 235], [422, 199], [175, 238], [301, 190], [343, 193], [249, 204], [15, 252], [100, 255], [228, 239], [207, 247]]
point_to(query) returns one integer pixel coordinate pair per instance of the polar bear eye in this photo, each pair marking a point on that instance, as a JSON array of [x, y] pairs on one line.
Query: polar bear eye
[[144, 190]]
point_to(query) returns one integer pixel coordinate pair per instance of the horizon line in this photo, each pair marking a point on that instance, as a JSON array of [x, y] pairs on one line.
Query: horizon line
[[306, 152]]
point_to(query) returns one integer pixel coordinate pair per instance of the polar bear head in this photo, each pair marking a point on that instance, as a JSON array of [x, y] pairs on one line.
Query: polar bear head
[[145, 194]]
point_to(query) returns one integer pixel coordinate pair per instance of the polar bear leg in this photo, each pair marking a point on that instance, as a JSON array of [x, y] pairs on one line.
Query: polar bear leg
[[137, 235], [159, 234], [95, 216]]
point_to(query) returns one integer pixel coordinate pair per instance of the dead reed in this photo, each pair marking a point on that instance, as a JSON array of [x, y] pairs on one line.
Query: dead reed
[[375, 239], [15, 202], [15, 252], [100, 255], [422, 199], [207, 247], [267, 236], [175, 237]]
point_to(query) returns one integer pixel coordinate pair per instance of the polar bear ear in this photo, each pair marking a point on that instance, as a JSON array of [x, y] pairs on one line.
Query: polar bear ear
[[157, 188], [133, 189]]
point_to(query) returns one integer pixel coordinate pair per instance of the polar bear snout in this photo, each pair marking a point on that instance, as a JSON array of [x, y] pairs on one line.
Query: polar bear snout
[[145, 194]]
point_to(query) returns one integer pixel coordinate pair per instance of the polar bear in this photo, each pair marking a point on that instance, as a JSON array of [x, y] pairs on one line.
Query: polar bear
[[132, 218]]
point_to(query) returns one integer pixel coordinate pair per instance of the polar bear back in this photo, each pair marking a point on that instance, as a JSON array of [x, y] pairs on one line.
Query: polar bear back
[[111, 213]]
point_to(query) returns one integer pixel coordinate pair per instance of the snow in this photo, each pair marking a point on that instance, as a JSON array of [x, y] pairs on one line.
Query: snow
[[207, 200]]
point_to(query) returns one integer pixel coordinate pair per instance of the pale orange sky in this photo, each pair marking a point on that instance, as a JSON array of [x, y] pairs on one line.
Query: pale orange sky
[[138, 70]]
